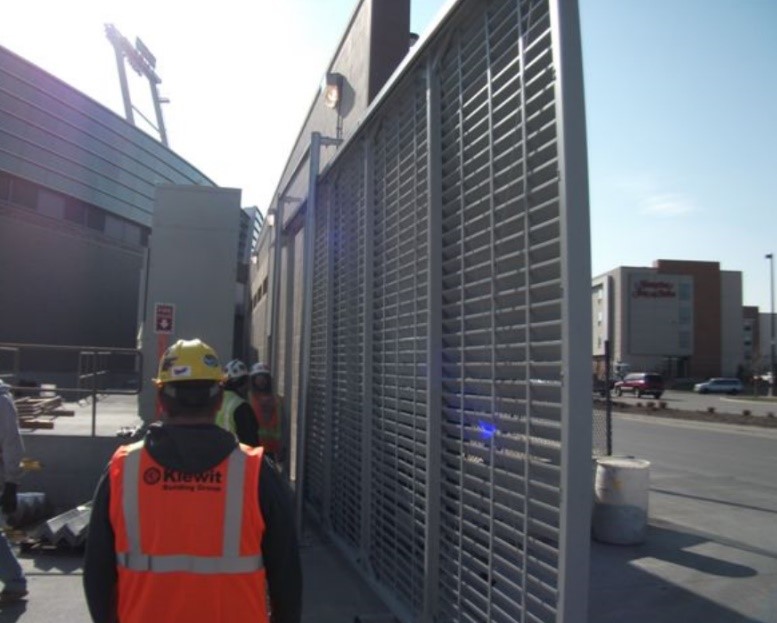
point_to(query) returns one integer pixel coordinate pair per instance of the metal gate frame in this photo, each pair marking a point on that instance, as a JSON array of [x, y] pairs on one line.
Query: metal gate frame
[[470, 427]]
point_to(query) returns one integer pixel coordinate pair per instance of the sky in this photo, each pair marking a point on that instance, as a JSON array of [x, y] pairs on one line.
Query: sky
[[681, 106]]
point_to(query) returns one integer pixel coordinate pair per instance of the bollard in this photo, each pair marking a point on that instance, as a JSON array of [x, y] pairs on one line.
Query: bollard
[[621, 500]]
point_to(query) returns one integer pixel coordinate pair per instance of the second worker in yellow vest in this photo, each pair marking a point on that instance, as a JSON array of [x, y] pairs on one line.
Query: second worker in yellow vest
[[236, 414]]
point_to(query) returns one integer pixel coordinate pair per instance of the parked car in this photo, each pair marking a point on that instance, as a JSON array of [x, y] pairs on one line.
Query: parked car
[[639, 383], [719, 386]]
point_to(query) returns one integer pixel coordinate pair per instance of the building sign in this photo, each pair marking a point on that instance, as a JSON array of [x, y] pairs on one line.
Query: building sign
[[653, 289], [164, 318]]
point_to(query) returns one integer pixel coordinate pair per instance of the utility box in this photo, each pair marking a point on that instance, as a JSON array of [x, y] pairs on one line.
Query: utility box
[[191, 272]]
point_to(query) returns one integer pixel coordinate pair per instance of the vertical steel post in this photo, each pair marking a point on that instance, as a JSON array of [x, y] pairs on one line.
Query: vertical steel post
[[770, 257], [275, 295], [607, 396], [125, 94], [329, 365], [577, 405], [307, 317], [94, 394], [160, 122], [433, 346], [367, 369]]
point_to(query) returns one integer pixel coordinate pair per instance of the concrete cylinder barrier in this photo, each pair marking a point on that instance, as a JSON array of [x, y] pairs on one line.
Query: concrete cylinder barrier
[[621, 500]]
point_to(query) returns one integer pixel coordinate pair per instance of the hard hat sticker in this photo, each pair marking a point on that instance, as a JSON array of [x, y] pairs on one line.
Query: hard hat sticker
[[181, 371], [210, 361]]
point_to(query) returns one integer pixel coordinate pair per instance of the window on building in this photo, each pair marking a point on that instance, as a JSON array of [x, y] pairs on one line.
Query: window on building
[[684, 291], [95, 219], [132, 233], [75, 211], [51, 204], [5, 187], [24, 193], [114, 227], [684, 339], [684, 315]]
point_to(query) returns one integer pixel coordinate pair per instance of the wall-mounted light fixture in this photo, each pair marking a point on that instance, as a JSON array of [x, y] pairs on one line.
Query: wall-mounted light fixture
[[331, 89]]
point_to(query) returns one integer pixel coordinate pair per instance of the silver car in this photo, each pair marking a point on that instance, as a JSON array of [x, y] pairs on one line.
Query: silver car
[[719, 386]]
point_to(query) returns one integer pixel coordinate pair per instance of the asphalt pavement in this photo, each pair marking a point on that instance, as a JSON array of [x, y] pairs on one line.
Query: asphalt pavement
[[711, 549]]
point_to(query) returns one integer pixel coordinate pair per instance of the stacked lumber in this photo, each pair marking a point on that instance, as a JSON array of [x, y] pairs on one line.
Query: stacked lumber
[[40, 412]]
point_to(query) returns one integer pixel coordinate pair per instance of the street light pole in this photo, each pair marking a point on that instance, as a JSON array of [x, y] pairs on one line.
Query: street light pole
[[770, 257]]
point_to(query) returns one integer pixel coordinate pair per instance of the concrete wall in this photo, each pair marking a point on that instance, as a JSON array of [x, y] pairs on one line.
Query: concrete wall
[[61, 285], [71, 467], [731, 323], [193, 266], [657, 324], [707, 352], [600, 298], [376, 40], [261, 284]]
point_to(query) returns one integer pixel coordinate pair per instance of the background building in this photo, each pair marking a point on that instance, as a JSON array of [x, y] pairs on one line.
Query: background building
[[680, 318], [77, 190]]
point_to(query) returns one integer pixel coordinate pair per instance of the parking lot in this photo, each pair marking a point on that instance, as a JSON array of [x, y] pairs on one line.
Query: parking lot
[[690, 401]]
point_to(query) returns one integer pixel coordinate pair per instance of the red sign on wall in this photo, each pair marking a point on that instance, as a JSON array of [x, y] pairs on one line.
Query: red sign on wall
[[164, 317]]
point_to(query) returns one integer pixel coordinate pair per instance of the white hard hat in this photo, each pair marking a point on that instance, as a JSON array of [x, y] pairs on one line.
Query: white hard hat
[[235, 370], [259, 368]]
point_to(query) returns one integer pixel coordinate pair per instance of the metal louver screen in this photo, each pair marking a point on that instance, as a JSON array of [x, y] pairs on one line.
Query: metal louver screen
[[501, 323], [438, 394], [400, 325], [347, 240], [318, 451]]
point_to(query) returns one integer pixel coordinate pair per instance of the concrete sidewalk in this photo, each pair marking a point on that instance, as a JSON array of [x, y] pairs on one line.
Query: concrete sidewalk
[[333, 592]]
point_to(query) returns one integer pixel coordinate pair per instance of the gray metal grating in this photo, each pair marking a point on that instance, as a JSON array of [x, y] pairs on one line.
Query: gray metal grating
[[347, 239], [440, 401], [318, 440], [399, 346], [501, 322]]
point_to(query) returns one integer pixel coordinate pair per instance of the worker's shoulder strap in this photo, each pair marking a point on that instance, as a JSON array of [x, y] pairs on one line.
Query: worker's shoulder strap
[[123, 451], [252, 451]]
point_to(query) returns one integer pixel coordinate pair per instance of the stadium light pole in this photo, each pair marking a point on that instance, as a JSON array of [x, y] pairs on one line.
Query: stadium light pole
[[770, 257]]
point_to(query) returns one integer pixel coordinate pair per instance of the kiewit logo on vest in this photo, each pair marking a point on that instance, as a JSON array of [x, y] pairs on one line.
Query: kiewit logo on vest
[[175, 480]]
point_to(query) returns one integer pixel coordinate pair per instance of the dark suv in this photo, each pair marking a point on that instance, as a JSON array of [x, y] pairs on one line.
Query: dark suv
[[641, 383]]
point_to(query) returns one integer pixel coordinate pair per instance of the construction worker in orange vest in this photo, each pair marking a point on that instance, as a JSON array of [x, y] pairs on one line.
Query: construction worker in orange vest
[[187, 525], [268, 410], [236, 414]]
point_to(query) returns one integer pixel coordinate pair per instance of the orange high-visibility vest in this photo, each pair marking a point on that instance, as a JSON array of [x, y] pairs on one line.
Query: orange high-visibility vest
[[267, 411], [188, 546]]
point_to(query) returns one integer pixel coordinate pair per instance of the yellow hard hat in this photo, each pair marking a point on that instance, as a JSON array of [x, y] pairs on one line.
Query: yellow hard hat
[[189, 360]]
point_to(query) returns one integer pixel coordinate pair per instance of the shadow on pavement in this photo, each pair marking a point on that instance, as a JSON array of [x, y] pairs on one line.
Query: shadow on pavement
[[662, 580], [10, 613]]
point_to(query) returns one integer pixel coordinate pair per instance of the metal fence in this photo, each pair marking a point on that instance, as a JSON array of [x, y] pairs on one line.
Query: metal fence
[[78, 371], [446, 376]]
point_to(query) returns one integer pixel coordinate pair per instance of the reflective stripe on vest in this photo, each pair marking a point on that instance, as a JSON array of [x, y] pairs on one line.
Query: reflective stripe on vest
[[230, 560], [225, 417]]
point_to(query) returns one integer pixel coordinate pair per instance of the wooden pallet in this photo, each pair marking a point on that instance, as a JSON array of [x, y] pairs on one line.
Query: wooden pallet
[[30, 411]]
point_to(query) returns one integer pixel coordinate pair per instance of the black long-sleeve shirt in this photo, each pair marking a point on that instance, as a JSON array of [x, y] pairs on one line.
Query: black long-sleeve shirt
[[246, 426], [194, 449]]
